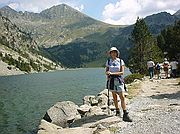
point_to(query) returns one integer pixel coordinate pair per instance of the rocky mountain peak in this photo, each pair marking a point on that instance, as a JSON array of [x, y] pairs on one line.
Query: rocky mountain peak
[[60, 11], [8, 11], [177, 13]]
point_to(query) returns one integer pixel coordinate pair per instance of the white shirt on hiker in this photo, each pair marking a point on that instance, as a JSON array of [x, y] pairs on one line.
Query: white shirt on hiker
[[150, 64], [114, 66], [174, 65]]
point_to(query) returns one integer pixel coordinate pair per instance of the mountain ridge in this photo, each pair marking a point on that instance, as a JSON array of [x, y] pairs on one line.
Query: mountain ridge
[[64, 24], [177, 13], [62, 30]]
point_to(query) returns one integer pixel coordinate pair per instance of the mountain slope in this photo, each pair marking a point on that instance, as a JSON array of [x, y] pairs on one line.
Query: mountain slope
[[159, 21], [177, 14], [19, 50], [77, 40], [103, 41], [57, 25]]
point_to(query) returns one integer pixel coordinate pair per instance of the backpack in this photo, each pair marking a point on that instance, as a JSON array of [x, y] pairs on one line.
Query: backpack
[[158, 67], [165, 65]]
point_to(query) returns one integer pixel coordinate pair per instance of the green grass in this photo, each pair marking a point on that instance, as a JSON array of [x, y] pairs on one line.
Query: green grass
[[133, 90]]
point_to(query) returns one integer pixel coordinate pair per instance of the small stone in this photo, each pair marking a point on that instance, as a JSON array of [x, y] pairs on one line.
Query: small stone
[[100, 126], [94, 102], [83, 109]]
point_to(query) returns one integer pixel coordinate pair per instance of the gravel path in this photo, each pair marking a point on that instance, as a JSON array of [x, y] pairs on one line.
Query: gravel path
[[156, 110]]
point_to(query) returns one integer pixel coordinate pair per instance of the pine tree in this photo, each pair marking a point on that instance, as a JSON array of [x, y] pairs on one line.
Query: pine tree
[[169, 41], [144, 48]]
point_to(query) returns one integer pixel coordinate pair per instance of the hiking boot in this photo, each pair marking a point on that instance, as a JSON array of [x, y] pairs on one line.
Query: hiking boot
[[126, 118]]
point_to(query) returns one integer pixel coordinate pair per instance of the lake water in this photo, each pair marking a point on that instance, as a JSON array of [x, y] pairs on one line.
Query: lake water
[[24, 99]]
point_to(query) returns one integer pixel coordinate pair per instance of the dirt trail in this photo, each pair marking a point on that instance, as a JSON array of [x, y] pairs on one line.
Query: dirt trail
[[156, 110]]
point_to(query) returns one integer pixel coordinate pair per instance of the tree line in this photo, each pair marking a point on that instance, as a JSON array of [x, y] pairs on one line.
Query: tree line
[[146, 46]]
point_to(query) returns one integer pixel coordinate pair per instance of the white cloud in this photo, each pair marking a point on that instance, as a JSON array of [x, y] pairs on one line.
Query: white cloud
[[125, 12], [39, 5]]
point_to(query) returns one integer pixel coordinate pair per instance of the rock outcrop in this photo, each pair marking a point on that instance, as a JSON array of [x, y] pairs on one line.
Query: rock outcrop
[[62, 113], [93, 117]]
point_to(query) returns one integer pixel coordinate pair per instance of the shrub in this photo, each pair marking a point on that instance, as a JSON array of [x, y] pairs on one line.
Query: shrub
[[35, 66], [48, 67], [9, 67], [130, 78], [25, 67]]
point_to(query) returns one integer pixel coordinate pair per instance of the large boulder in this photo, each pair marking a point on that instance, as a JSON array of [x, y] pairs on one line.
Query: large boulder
[[48, 128], [62, 113], [105, 122], [77, 130]]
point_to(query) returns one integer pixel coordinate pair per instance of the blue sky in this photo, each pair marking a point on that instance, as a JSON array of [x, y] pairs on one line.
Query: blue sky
[[118, 12]]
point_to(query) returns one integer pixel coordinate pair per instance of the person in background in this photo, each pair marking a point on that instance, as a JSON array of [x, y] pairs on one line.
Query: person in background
[[173, 65], [150, 65], [114, 72], [158, 70], [166, 67]]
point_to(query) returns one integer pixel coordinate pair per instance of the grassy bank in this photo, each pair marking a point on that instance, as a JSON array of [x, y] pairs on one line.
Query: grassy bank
[[133, 83]]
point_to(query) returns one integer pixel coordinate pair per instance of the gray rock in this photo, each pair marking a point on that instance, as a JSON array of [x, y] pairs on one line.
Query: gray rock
[[94, 102], [112, 107], [102, 100], [77, 130], [83, 109], [100, 126], [48, 128], [105, 132], [86, 99], [95, 110], [62, 113], [105, 122], [90, 100]]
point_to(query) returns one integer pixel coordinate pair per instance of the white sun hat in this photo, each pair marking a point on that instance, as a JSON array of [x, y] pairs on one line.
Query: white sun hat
[[114, 49]]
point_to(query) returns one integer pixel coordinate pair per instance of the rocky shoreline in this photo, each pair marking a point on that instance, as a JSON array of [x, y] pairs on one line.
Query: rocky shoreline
[[156, 109], [15, 71], [93, 117]]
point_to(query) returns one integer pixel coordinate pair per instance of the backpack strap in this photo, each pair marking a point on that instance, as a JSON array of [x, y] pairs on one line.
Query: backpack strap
[[109, 61], [120, 61]]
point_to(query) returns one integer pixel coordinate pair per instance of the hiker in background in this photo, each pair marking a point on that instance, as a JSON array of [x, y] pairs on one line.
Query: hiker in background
[[166, 67], [114, 72], [173, 65], [158, 70], [150, 65]]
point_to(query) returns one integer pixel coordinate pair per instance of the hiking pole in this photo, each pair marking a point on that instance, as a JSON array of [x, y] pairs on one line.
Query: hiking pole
[[107, 86]]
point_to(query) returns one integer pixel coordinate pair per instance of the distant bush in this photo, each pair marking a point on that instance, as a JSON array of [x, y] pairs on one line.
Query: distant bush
[[23, 66], [9, 67], [48, 67], [35, 66], [130, 78], [24, 54]]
